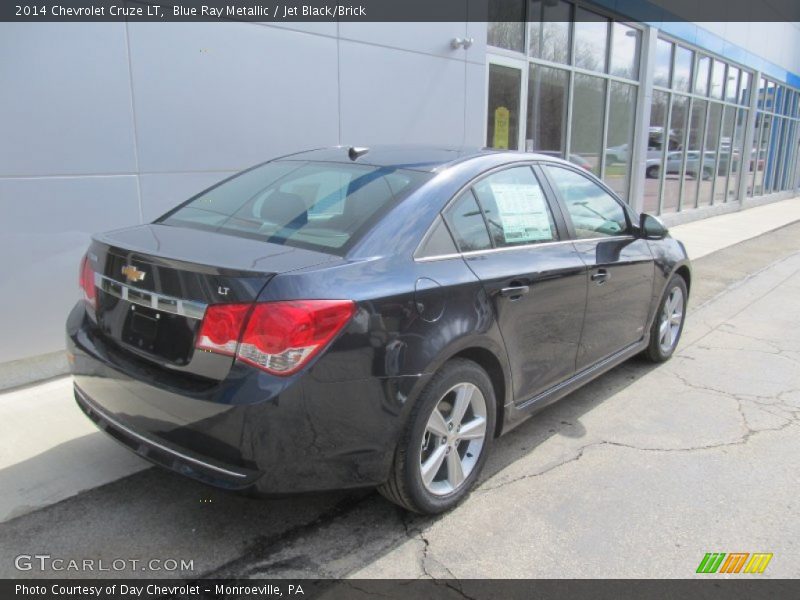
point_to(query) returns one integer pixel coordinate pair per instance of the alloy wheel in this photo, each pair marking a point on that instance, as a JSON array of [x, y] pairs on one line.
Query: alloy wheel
[[453, 439], [670, 320]]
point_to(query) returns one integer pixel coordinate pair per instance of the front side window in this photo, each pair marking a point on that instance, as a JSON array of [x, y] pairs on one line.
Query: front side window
[[515, 208], [593, 211], [320, 206]]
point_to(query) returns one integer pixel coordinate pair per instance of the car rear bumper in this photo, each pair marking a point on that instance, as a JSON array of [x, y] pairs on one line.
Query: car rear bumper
[[178, 460], [279, 435]]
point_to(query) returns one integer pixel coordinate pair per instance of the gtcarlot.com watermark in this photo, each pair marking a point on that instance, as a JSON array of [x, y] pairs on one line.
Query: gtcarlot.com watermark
[[46, 562]]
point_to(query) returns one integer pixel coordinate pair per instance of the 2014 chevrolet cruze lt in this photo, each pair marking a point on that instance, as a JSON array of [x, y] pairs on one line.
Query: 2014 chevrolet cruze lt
[[348, 317]]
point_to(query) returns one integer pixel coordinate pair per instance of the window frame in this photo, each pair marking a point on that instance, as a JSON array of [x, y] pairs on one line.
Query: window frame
[[631, 217]]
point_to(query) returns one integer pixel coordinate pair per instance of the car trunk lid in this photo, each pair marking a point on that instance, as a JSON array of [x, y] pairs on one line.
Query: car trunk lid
[[154, 283]]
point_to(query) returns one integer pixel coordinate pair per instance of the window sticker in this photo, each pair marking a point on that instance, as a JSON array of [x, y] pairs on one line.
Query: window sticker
[[523, 212]]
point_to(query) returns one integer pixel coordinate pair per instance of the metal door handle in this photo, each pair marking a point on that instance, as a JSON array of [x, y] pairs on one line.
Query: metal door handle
[[601, 276], [514, 291]]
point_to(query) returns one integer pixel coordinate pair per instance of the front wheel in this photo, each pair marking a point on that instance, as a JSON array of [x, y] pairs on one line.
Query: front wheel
[[446, 441], [668, 323]]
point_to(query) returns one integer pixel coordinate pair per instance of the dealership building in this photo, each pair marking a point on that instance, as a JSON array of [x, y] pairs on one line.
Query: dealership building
[[105, 125]]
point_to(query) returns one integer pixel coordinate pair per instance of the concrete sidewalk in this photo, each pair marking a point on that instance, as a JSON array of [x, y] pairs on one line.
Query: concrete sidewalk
[[709, 235], [50, 451]]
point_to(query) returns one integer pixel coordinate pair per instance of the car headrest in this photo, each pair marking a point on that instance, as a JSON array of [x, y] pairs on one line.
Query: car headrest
[[286, 209]]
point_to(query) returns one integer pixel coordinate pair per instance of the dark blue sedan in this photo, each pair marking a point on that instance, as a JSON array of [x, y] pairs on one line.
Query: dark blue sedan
[[353, 317]]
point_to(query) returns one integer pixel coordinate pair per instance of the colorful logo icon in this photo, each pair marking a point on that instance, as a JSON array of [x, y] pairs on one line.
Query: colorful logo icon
[[734, 562]]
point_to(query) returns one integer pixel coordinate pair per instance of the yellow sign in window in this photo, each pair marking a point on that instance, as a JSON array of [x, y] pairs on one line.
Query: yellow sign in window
[[501, 119]]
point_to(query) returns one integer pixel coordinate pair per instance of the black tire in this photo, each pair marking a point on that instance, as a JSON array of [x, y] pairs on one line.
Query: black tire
[[405, 486], [652, 172], [656, 350]]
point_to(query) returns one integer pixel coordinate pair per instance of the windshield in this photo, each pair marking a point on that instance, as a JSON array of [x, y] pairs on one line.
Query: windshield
[[319, 206]]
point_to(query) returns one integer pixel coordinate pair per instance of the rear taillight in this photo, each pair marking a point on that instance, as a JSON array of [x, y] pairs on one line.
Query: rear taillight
[[222, 326], [86, 281], [277, 337]]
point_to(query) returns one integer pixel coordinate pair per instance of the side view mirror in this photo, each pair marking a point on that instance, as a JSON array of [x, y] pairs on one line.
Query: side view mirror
[[651, 227]]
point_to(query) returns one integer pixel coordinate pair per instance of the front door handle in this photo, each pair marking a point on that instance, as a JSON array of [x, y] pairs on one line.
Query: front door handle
[[601, 276], [515, 291]]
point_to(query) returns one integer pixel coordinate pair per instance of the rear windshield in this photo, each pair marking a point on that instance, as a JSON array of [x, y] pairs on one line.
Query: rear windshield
[[319, 206]]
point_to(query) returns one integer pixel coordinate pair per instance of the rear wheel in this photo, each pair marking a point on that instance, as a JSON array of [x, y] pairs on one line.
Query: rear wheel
[[668, 323], [652, 172], [446, 441]]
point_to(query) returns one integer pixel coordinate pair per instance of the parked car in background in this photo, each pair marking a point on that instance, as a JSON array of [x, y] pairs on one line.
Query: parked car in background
[[346, 317], [693, 166]]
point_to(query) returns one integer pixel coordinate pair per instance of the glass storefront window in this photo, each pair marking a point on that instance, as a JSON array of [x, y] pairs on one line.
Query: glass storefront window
[[744, 88], [663, 66], [505, 84], [718, 80], [682, 71], [701, 73], [591, 40], [625, 43], [587, 119], [619, 139], [732, 84], [656, 145], [761, 155], [710, 169], [741, 160], [549, 30], [506, 27], [726, 154], [674, 159], [695, 166], [547, 108]]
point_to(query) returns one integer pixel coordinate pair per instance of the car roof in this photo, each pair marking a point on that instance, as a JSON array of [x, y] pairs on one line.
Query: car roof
[[419, 158]]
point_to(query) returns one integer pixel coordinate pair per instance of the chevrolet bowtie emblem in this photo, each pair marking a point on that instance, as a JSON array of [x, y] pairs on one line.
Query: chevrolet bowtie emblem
[[132, 273]]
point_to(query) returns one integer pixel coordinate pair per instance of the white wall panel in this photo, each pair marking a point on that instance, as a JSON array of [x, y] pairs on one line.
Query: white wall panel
[[64, 99], [45, 229], [223, 96]]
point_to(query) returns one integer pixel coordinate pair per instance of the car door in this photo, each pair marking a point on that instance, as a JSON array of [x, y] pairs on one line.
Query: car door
[[517, 245], [620, 264]]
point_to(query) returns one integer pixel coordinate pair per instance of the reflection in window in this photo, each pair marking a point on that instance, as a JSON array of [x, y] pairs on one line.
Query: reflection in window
[[621, 113], [655, 150], [587, 119], [740, 160], [466, 223], [701, 72], [674, 160], [625, 51], [696, 166], [732, 84], [763, 158], [549, 30], [591, 40], [718, 80], [506, 27], [682, 73], [709, 165], [663, 63], [592, 210], [726, 155], [744, 88], [547, 108], [515, 208]]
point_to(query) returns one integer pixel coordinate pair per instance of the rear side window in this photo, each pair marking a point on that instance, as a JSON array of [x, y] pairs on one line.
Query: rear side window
[[320, 206], [594, 212], [466, 224], [516, 209]]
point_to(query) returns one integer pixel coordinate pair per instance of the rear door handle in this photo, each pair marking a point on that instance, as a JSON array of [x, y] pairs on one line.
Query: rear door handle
[[514, 292], [601, 276]]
